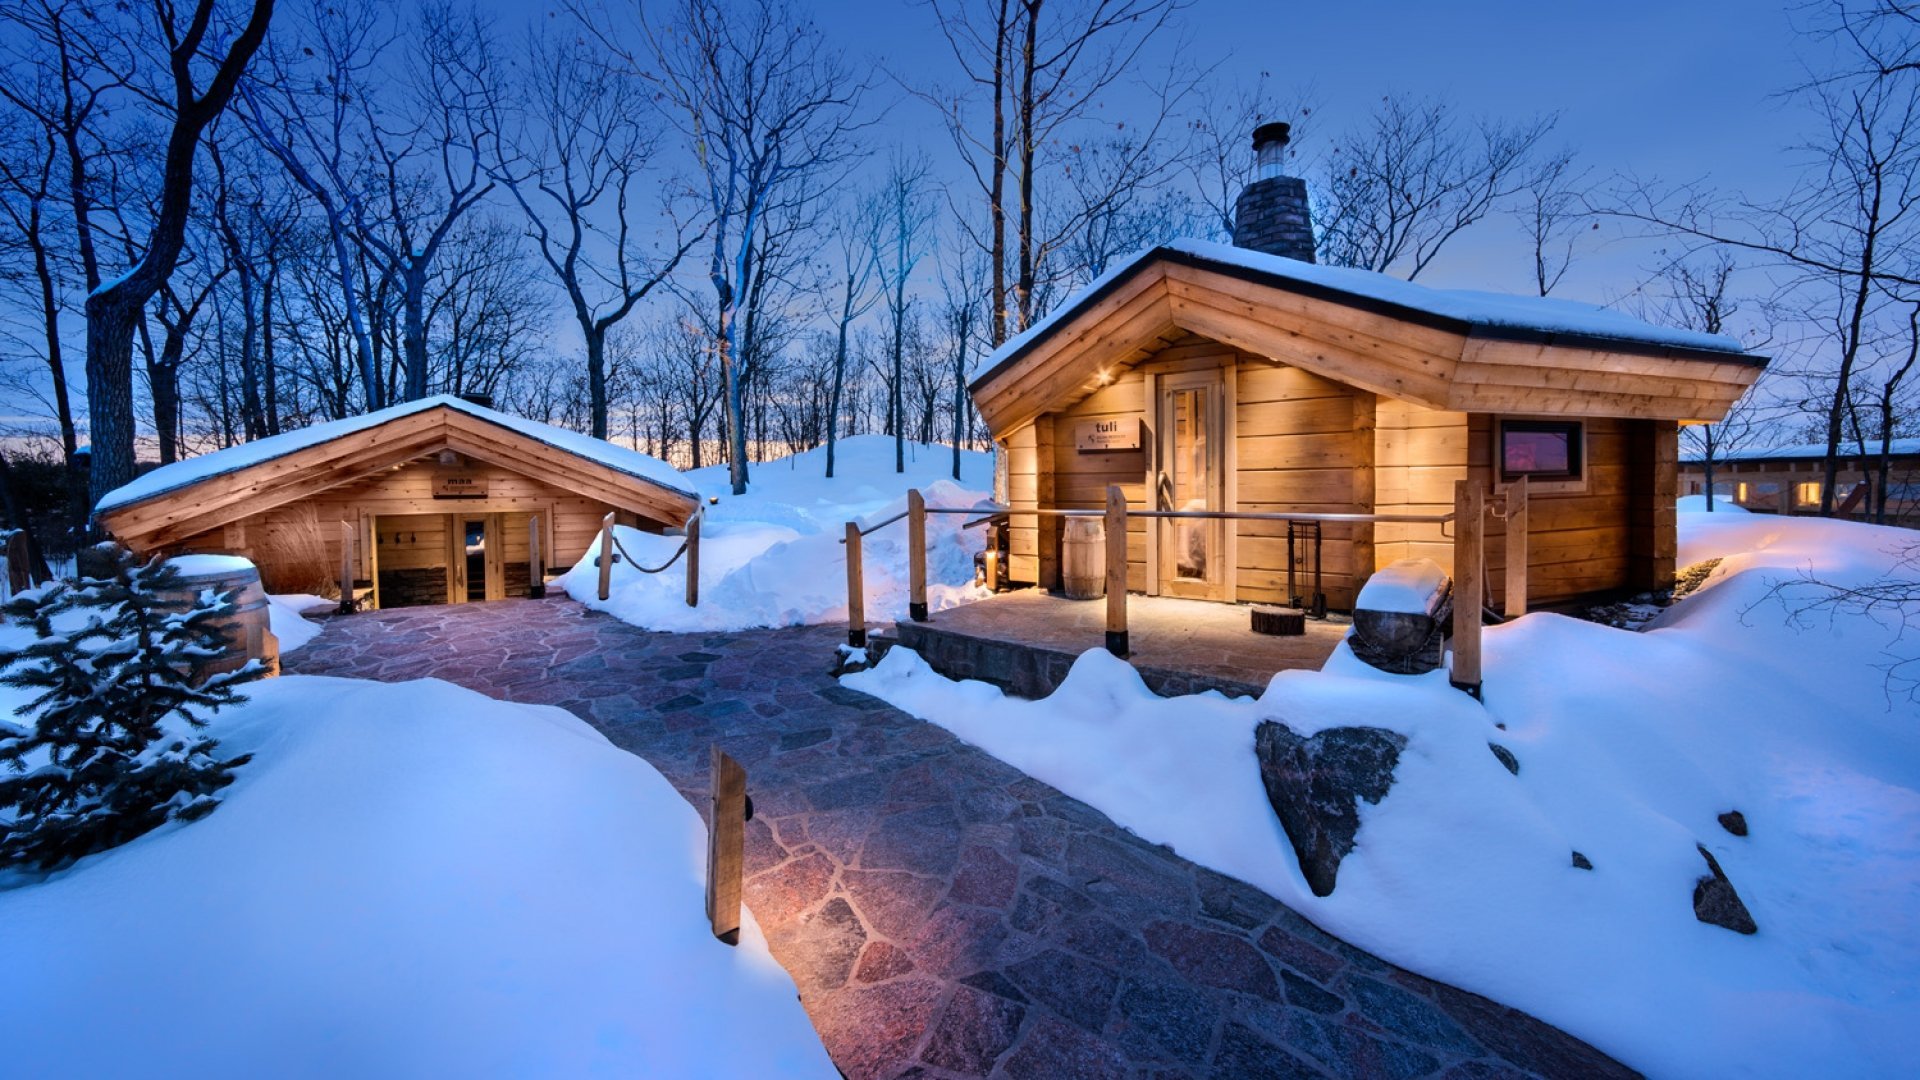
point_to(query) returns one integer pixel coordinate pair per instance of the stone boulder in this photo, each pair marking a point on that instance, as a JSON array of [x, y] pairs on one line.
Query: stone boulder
[[1315, 786], [1716, 902]]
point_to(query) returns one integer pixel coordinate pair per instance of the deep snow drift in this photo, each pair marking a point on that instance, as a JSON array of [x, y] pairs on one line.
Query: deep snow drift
[[408, 879], [774, 557], [1630, 745]]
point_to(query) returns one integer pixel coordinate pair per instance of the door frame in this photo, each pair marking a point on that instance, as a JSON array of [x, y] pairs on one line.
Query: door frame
[[1218, 374]]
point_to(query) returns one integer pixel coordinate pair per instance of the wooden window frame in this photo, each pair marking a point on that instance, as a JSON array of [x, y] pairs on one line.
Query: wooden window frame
[[1573, 482]]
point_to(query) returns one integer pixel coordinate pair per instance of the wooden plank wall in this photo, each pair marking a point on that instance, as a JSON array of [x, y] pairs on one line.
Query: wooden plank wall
[[1578, 542], [1419, 453], [1080, 480], [1297, 452]]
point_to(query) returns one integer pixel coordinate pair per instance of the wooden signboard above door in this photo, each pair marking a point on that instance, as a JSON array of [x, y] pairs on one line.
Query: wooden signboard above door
[[1106, 436], [459, 485]]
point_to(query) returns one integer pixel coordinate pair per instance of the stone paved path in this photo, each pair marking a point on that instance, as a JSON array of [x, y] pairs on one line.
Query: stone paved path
[[943, 914]]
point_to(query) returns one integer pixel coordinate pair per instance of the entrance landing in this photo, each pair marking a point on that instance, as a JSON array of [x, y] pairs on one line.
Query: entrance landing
[[1025, 642]]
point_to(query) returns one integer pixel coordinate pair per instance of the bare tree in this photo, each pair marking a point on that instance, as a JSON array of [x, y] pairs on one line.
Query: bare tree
[[765, 105], [1694, 293], [903, 213], [574, 163], [193, 45], [855, 275], [1415, 176], [960, 279], [1222, 162], [1042, 70], [1553, 215]]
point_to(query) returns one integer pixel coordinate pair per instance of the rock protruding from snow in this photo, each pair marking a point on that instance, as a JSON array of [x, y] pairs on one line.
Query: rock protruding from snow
[[1734, 822], [1315, 785], [1400, 616], [1716, 902], [1507, 760]]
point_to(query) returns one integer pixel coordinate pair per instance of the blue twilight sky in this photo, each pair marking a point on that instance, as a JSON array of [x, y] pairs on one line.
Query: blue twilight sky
[[1678, 89]]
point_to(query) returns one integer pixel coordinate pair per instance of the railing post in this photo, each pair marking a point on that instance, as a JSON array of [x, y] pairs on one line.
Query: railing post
[[856, 599], [726, 841], [916, 555], [1116, 528], [693, 561], [1516, 604], [536, 565], [346, 567], [1469, 531], [606, 556]]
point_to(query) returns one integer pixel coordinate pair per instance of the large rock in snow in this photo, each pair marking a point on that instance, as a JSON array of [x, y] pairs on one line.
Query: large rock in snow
[[1316, 784], [1716, 902]]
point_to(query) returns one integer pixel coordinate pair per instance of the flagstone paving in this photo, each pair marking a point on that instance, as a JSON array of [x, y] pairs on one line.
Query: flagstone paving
[[943, 914]]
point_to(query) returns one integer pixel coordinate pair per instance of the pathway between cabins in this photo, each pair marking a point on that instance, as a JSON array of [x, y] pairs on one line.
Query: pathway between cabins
[[942, 913]]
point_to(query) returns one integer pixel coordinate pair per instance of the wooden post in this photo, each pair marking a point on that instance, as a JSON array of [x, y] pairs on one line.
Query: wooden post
[[856, 600], [726, 840], [606, 556], [1469, 531], [993, 564], [916, 555], [1516, 604], [346, 567], [1116, 526], [693, 561], [536, 566]]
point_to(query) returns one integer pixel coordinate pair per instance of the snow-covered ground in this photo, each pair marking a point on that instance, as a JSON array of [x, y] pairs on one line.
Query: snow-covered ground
[[1630, 745], [408, 879], [774, 557]]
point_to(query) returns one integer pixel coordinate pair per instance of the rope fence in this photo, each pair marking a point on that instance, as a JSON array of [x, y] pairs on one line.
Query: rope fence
[[612, 551]]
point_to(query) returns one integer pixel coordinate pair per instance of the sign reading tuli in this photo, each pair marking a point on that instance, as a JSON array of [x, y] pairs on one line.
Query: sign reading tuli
[[459, 486], [1101, 436]]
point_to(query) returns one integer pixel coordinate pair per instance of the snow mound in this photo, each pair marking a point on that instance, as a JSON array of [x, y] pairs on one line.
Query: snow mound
[[774, 556], [287, 624], [407, 879], [1630, 745], [1404, 586]]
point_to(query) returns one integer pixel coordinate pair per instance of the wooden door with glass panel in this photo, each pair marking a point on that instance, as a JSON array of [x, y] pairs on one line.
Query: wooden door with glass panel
[[1191, 458]]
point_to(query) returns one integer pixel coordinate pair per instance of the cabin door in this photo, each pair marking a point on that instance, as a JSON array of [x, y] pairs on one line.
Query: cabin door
[[1191, 455]]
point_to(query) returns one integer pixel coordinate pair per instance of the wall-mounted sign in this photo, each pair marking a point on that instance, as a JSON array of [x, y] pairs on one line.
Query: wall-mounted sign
[[459, 486], [1102, 436]]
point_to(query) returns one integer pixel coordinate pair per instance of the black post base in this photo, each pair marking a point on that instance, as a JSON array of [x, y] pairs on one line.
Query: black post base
[[857, 638], [537, 592], [1472, 690], [1117, 643], [917, 612]]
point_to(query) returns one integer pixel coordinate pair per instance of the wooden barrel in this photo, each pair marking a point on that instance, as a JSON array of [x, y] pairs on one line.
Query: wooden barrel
[[248, 627], [1083, 559]]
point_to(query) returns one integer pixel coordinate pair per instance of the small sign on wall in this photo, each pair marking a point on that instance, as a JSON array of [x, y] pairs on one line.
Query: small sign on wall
[[1104, 436], [459, 486]]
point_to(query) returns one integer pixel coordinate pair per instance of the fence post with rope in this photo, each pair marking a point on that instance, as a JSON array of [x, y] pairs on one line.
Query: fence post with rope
[[612, 550]]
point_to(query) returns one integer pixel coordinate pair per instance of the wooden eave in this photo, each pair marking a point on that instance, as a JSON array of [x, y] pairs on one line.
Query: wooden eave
[[170, 516], [1390, 349]]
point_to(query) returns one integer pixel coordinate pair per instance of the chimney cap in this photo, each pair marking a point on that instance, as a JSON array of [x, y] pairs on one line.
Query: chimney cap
[[1273, 132]]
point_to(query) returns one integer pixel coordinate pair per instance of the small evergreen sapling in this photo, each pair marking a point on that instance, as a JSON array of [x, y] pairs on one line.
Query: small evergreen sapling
[[111, 745]]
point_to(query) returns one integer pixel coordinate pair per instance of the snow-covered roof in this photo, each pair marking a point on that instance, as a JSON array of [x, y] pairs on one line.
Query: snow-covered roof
[[1545, 317], [181, 474], [1798, 451]]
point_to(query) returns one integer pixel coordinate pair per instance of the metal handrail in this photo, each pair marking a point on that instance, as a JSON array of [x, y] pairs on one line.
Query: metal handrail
[[1197, 515]]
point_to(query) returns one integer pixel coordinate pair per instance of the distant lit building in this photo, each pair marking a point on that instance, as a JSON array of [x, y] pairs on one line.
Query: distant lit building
[[1788, 480]]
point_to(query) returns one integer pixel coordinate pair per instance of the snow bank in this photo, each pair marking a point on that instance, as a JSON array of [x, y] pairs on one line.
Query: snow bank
[[774, 557], [1629, 746], [284, 610], [408, 879], [200, 565], [195, 469]]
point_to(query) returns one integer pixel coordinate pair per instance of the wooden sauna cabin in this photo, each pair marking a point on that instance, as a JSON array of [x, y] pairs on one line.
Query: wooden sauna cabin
[[443, 500], [1201, 376]]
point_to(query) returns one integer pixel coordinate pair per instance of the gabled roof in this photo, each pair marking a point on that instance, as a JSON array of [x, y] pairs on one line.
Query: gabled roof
[[1446, 349], [213, 489]]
